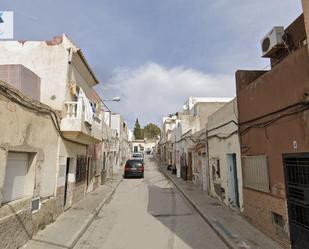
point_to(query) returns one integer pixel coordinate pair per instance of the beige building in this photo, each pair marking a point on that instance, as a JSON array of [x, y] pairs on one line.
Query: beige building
[[144, 145], [29, 198], [188, 137], [165, 146], [123, 147], [224, 171], [52, 150]]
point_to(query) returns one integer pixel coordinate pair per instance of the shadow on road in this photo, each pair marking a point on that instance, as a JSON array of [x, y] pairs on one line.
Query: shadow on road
[[168, 207]]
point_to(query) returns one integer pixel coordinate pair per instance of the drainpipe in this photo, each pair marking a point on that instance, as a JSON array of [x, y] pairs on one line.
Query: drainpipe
[[207, 164]]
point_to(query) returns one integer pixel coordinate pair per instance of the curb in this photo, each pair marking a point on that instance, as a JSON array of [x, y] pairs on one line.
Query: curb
[[226, 241], [94, 214]]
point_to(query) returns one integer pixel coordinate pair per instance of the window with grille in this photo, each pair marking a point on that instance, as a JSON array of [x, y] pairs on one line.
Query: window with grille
[[80, 169], [255, 172]]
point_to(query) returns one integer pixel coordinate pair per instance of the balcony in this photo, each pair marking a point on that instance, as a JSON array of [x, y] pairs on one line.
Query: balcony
[[81, 125]]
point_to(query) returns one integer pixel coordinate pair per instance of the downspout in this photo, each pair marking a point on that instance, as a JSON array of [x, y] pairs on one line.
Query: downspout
[[207, 164]]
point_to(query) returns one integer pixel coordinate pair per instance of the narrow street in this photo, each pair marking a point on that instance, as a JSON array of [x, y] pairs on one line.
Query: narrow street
[[148, 213]]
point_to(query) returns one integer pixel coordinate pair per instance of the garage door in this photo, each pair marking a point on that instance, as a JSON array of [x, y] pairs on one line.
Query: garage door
[[15, 176]]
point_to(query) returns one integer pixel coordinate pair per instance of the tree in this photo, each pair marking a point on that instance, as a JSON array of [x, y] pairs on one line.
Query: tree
[[138, 132], [151, 131]]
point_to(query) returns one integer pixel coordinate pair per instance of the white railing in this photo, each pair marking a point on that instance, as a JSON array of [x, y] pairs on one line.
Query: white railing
[[96, 120], [71, 109]]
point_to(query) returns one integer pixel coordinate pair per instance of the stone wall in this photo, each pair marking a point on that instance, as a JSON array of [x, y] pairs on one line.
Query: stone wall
[[18, 224]]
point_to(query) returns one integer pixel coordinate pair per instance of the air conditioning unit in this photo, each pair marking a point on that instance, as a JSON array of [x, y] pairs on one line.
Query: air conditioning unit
[[273, 42]]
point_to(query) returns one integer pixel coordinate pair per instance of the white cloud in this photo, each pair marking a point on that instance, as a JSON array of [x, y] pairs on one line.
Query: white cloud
[[151, 91]]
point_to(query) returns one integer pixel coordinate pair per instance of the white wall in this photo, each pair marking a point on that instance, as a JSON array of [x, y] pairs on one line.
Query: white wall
[[50, 63], [219, 148]]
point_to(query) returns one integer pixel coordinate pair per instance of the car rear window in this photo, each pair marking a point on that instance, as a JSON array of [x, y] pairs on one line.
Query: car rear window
[[134, 163], [137, 155]]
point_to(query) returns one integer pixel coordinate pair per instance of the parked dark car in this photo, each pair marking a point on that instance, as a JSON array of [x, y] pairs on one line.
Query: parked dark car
[[134, 168]]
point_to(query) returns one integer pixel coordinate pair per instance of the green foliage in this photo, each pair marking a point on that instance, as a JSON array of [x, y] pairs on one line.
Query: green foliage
[[138, 132], [151, 131]]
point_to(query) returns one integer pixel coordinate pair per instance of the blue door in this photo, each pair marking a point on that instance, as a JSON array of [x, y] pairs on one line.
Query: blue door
[[232, 180]]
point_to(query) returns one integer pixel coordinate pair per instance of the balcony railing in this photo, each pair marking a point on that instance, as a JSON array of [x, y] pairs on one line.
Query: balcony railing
[[76, 125], [97, 120], [73, 112], [71, 109]]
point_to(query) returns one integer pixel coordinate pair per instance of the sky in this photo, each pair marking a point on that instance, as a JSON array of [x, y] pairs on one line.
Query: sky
[[156, 54]]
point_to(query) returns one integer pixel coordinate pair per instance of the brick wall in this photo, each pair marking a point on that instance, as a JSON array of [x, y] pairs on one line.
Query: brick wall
[[258, 208]]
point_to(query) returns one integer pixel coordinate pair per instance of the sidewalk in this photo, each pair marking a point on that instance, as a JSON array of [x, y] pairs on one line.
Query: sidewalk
[[69, 227], [232, 228]]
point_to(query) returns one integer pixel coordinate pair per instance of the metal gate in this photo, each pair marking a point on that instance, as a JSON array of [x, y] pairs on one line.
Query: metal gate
[[297, 185]]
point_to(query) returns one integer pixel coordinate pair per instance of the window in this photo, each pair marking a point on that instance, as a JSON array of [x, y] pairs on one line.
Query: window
[[80, 169], [135, 148], [218, 169], [255, 171], [18, 182], [216, 172]]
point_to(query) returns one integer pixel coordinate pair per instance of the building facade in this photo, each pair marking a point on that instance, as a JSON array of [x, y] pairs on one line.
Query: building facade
[[224, 171], [273, 129], [57, 146]]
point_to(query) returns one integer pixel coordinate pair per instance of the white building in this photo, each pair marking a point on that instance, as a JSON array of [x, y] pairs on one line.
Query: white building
[[224, 170], [188, 137], [121, 128], [144, 145], [62, 148]]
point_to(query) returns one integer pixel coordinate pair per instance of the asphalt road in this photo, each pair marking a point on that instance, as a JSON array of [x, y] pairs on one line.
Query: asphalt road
[[149, 213]]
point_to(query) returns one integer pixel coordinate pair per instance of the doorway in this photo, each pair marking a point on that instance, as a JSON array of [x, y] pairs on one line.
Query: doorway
[[189, 172], [67, 170], [296, 168], [233, 180]]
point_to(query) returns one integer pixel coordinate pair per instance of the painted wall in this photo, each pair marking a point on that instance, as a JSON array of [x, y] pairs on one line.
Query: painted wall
[[25, 131], [219, 149], [49, 62], [283, 86]]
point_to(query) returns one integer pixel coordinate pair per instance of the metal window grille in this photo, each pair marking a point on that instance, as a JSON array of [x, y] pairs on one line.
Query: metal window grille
[[255, 171], [298, 171], [80, 169]]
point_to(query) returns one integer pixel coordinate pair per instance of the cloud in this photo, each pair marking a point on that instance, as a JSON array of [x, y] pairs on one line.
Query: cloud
[[151, 91]]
